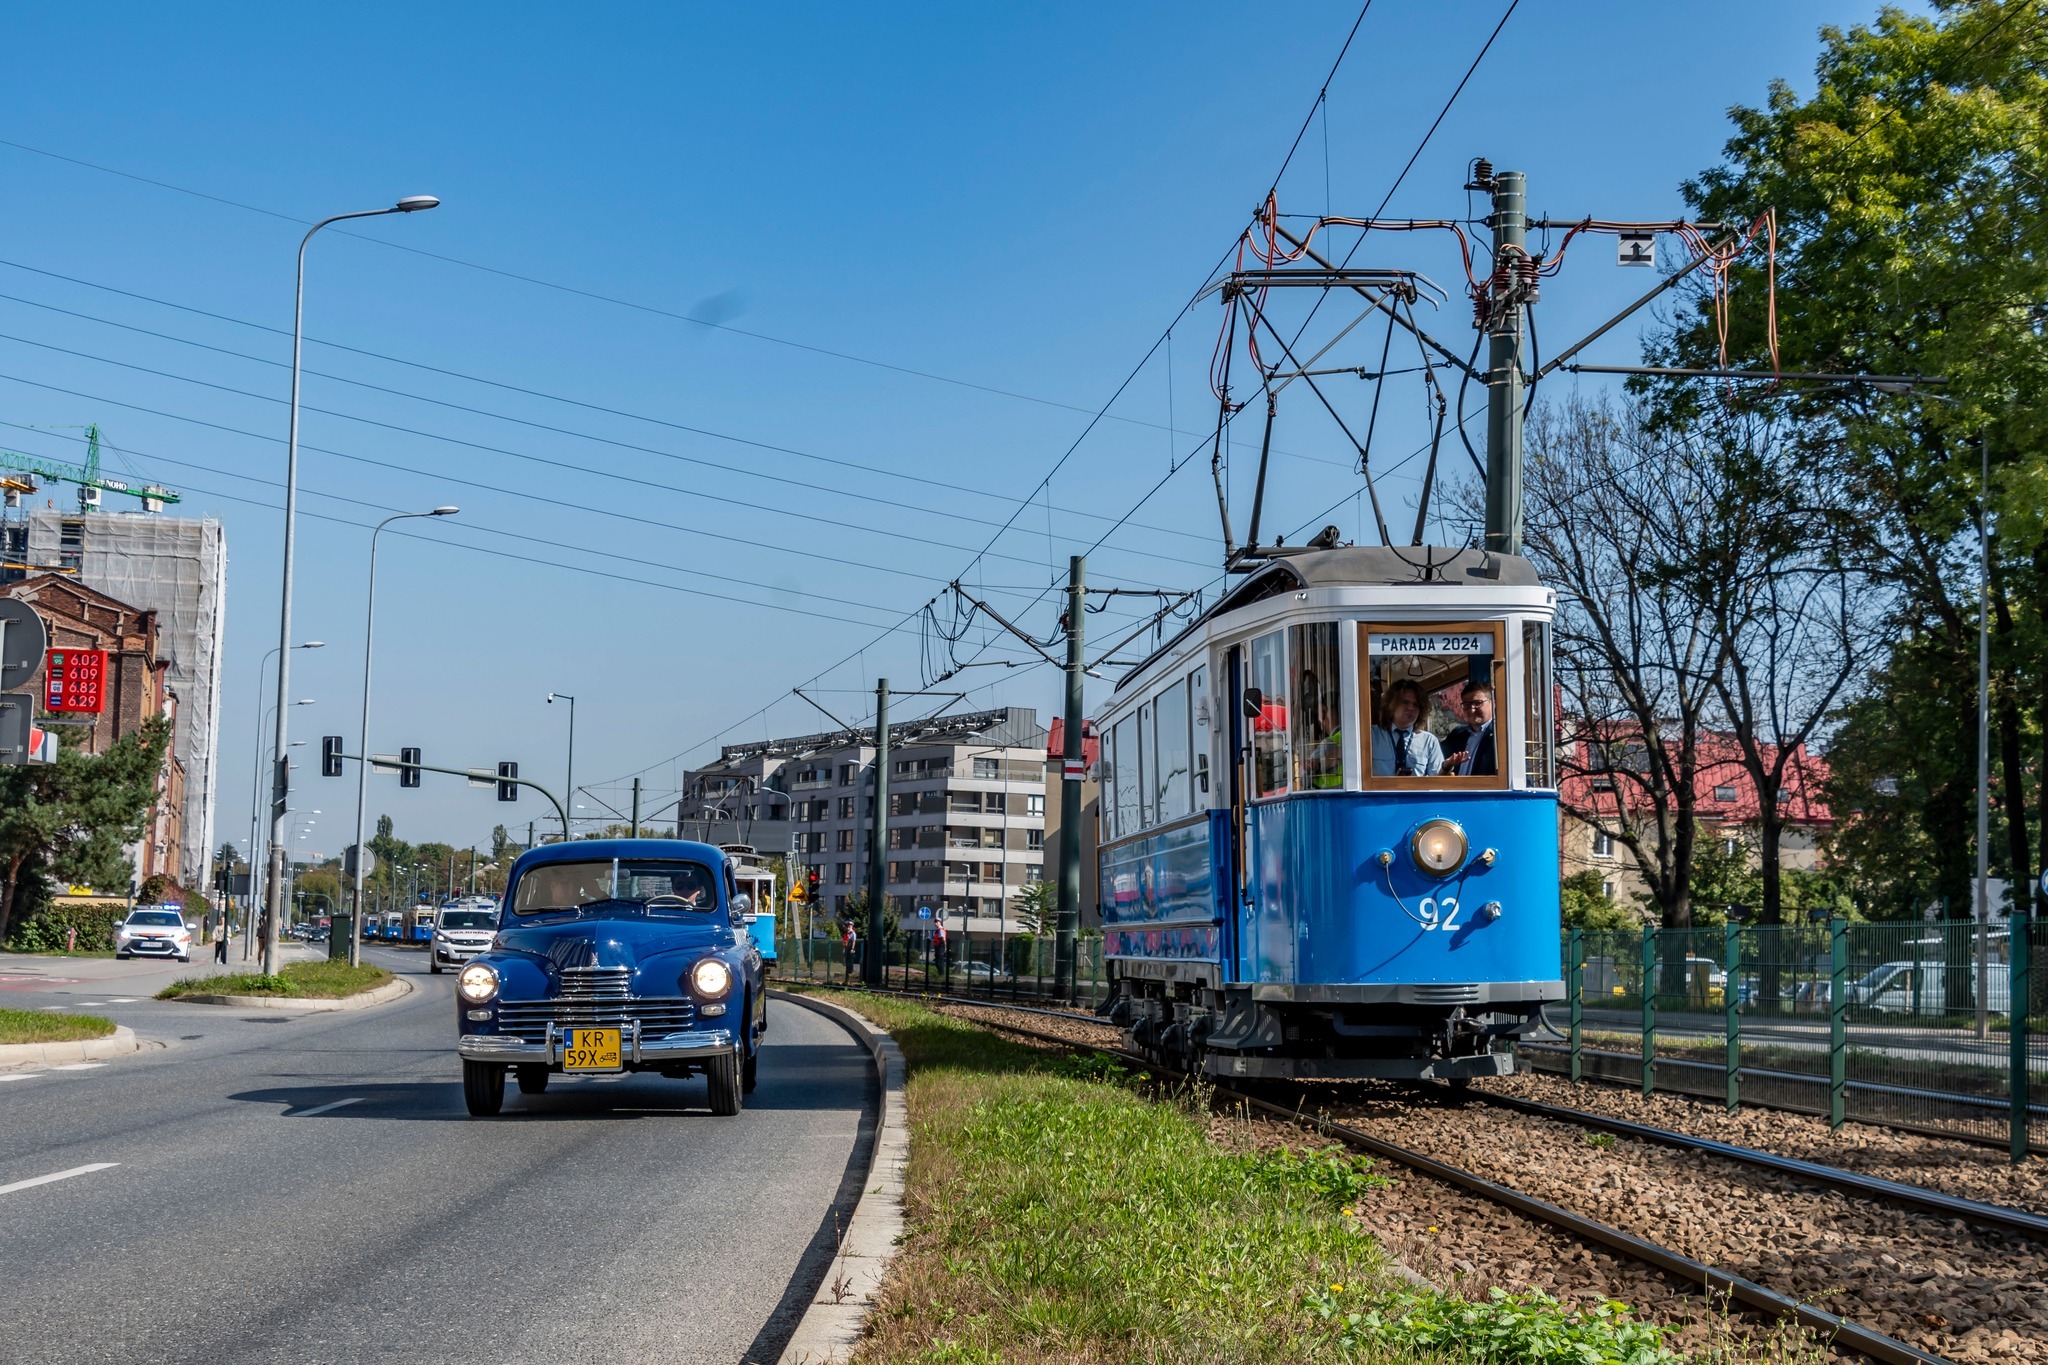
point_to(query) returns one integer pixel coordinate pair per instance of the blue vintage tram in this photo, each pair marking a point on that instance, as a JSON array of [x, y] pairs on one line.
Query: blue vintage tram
[[1299, 875]]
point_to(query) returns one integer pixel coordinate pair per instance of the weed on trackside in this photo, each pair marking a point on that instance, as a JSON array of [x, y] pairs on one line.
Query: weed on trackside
[[33, 1026], [1061, 1211], [322, 980]]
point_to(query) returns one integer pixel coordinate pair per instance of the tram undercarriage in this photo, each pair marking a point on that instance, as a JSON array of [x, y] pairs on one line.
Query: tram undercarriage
[[1229, 1032]]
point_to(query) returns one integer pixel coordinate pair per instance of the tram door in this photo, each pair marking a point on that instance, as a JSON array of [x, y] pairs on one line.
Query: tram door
[[1238, 913]]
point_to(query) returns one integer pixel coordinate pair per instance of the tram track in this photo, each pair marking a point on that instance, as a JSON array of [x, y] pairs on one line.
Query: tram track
[[1890, 1288]]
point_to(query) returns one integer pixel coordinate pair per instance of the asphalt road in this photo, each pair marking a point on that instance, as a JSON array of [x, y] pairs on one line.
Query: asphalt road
[[278, 1187]]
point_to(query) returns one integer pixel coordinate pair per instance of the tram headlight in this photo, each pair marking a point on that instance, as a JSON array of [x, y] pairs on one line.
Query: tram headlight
[[1438, 847], [478, 983]]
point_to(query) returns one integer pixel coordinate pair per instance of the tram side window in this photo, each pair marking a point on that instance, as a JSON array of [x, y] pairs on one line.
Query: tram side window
[[1148, 809], [1198, 707], [1433, 695], [1170, 772], [1538, 696], [1124, 789], [1265, 703], [1318, 729], [1105, 775]]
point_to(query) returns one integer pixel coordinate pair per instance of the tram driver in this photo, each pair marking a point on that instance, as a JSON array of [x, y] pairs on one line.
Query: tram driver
[[1404, 746]]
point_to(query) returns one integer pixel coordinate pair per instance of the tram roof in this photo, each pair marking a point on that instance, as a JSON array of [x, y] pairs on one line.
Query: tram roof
[[1354, 566]]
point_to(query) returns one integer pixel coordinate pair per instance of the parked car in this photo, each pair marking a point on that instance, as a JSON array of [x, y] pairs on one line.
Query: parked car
[[984, 973], [154, 931], [614, 955], [1922, 987]]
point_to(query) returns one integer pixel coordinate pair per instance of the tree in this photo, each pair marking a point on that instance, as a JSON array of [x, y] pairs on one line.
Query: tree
[[71, 819], [1587, 906], [1911, 234], [1035, 906]]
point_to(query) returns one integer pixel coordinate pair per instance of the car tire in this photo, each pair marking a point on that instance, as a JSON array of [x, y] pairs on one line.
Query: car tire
[[483, 1087], [722, 1080], [533, 1080], [120, 957], [750, 1074], [434, 967]]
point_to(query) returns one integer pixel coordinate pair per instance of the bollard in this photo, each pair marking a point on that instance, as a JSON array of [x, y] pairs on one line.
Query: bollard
[[1838, 1020], [1575, 995]]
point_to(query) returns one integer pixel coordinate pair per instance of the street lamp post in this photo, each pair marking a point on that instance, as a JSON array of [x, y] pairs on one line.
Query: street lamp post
[[256, 858], [259, 873], [280, 783], [355, 930], [569, 779]]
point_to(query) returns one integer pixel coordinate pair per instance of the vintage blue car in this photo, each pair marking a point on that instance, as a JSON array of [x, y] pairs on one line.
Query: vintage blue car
[[614, 955]]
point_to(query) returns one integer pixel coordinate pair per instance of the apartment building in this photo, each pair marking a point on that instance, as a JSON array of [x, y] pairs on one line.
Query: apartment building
[[965, 824]]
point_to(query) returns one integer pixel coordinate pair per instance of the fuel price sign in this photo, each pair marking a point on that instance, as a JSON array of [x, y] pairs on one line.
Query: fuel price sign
[[76, 680]]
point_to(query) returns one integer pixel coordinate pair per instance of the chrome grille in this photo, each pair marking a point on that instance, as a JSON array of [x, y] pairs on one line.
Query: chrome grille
[[597, 983], [529, 1019]]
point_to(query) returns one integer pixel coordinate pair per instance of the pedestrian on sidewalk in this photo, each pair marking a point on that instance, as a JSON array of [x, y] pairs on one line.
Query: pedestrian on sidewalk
[[852, 940], [220, 941]]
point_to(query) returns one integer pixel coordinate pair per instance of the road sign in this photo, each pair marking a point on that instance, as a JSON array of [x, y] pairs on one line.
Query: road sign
[[76, 680], [17, 718], [1636, 248], [348, 861], [924, 912], [23, 640], [384, 763]]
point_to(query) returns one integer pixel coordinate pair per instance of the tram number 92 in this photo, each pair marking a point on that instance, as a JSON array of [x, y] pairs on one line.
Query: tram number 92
[[1438, 913]]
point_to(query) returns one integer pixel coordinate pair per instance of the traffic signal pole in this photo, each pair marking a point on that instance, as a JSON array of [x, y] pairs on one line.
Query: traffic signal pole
[[871, 961], [1073, 769]]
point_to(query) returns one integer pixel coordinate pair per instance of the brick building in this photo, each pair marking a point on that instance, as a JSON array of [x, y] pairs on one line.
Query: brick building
[[137, 690]]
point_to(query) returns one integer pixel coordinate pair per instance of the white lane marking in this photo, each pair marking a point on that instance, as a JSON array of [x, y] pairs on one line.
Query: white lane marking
[[323, 1108], [77, 1066], [59, 1175], [124, 1000], [19, 1075]]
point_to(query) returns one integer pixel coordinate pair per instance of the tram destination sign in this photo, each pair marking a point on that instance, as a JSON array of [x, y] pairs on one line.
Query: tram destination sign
[[1430, 642]]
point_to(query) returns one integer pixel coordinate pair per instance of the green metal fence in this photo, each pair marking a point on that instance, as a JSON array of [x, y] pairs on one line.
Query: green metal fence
[[1016, 967], [1935, 1027]]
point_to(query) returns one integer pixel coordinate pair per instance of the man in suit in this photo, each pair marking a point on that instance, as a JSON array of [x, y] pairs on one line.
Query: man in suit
[[1471, 746]]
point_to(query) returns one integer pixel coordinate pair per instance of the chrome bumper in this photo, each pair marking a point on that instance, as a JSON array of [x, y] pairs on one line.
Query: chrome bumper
[[634, 1048]]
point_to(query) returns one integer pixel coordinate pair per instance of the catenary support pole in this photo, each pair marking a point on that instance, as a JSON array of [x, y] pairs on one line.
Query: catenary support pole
[[1073, 770], [878, 841], [634, 833], [1504, 390], [1982, 934]]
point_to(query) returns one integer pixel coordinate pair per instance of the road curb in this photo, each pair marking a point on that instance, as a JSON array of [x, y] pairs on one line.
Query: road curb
[[119, 1043], [831, 1327], [396, 988]]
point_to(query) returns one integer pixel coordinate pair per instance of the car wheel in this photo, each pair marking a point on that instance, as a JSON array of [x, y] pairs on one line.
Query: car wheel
[[533, 1080], [120, 957], [184, 959], [750, 1074], [434, 967], [483, 1087], [722, 1077]]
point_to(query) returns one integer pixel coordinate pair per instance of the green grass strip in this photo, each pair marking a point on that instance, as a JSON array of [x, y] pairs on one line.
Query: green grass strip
[[1059, 1214], [322, 980], [34, 1026]]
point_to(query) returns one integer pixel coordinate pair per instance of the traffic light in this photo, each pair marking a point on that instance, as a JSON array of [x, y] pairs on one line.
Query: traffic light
[[408, 767], [811, 885], [330, 756], [508, 790]]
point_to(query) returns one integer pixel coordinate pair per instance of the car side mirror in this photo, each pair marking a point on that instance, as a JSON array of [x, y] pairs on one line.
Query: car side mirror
[[743, 904]]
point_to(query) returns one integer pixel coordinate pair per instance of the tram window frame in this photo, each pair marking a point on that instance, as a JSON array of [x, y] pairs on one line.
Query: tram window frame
[[1368, 705], [1171, 748], [1266, 660], [1148, 764], [1539, 696], [1128, 768], [1201, 731], [1314, 648]]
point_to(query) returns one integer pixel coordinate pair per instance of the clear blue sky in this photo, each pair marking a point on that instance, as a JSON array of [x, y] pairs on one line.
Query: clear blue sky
[[1006, 198]]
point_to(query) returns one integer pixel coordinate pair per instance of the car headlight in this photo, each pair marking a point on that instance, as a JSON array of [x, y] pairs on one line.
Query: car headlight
[[1438, 847], [478, 983], [712, 978]]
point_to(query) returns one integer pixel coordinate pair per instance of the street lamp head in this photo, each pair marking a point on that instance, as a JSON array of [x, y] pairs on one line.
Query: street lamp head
[[413, 203], [444, 511], [314, 644], [303, 701]]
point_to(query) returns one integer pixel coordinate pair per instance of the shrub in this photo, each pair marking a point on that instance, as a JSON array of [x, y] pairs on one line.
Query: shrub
[[45, 930]]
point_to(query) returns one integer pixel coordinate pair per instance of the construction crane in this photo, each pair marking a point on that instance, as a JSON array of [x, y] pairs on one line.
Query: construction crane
[[87, 476]]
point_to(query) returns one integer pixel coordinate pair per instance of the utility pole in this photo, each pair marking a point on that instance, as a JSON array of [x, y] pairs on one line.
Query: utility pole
[[636, 810], [1515, 285], [1073, 769], [878, 855], [1982, 933]]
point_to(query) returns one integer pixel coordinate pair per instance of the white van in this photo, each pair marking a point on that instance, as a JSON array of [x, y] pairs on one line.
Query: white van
[[1922, 988]]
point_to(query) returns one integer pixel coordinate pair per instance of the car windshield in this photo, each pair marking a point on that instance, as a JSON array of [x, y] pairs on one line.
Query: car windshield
[[167, 918], [468, 919], [1878, 976], [658, 884]]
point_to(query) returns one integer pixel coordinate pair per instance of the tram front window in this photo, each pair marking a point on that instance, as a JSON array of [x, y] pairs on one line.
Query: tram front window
[[1432, 698]]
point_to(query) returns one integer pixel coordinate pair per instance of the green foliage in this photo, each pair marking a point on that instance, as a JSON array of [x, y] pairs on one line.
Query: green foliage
[[70, 820], [1020, 954], [326, 979], [1588, 907], [45, 929], [1504, 1329], [1035, 907], [34, 1026], [1339, 1178], [1602, 1141]]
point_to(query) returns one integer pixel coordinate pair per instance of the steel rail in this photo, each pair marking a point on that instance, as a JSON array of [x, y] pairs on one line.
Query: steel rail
[[1998, 1217], [1838, 1331]]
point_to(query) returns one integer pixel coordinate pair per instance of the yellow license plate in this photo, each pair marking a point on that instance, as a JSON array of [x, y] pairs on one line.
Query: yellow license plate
[[590, 1049]]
